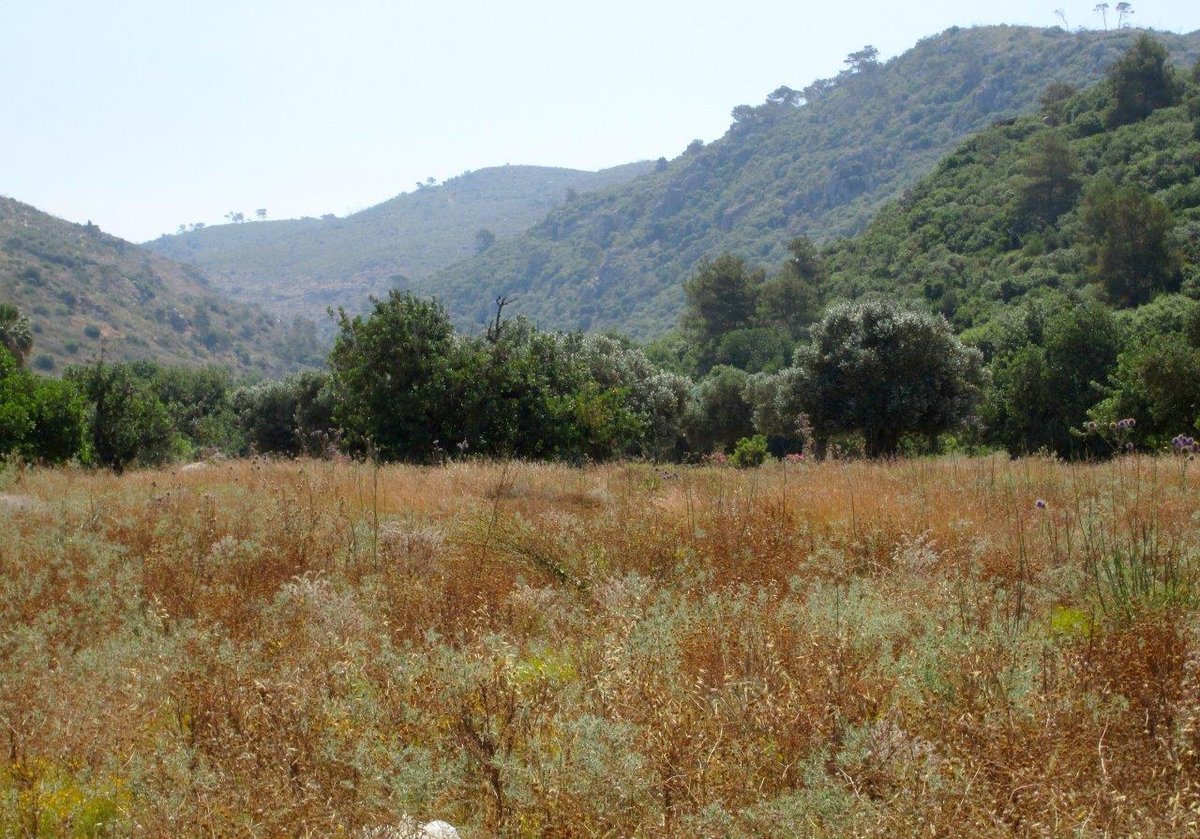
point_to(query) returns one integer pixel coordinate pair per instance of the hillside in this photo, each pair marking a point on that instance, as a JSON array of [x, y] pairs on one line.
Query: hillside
[[819, 163], [1073, 197], [83, 289], [1063, 245], [303, 266]]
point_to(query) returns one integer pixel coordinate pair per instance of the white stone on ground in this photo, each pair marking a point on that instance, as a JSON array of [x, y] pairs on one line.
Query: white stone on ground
[[409, 829]]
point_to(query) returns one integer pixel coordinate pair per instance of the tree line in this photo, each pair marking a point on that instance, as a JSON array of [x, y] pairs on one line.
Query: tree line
[[401, 384]]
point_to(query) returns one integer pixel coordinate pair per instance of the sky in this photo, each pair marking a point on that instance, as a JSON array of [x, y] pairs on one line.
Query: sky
[[141, 116]]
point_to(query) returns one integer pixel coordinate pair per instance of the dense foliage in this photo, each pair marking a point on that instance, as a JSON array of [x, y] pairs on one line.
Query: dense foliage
[[1043, 240], [738, 317], [407, 387], [40, 418], [885, 372]]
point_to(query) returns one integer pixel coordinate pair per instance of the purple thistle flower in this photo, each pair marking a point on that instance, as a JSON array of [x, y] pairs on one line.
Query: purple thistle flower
[[1040, 504]]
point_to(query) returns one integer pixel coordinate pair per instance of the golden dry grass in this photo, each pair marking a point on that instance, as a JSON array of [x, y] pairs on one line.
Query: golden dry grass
[[311, 648]]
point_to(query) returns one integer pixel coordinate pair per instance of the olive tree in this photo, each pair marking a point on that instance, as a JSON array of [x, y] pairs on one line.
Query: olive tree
[[884, 371]]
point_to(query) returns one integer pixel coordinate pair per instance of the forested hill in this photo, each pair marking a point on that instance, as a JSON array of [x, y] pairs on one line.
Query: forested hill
[[1063, 245], [1096, 192], [83, 289], [306, 265], [818, 162]]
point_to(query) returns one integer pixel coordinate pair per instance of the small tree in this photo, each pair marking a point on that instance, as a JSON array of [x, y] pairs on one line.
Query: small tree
[[1130, 231], [863, 59], [791, 300], [1053, 101], [484, 239], [394, 378], [16, 408], [721, 296], [718, 414], [1141, 81], [129, 424], [754, 349], [261, 214], [1054, 94], [59, 422], [289, 417], [885, 372], [1046, 374], [1157, 384], [784, 96], [1050, 181], [744, 115], [16, 335], [778, 410], [40, 418], [1124, 10]]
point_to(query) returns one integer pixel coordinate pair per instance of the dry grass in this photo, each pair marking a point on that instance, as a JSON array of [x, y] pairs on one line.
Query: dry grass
[[309, 649]]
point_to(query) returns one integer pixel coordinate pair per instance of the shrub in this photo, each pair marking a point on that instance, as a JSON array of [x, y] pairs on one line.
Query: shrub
[[40, 418], [59, 421], [718, 414], [289, 417], [129, 424], [750, 452]]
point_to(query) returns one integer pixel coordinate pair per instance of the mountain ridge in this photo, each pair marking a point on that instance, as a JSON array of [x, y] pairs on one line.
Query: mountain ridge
[[305, 265], [616, 260]]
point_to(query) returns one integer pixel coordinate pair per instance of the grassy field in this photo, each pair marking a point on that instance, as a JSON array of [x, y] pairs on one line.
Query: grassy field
[[934, 647]]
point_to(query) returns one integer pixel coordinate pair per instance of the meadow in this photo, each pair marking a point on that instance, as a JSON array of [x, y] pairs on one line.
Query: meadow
[[935, 647]]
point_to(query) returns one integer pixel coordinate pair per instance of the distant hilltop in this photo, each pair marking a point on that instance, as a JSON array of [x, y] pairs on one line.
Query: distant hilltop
[[304, 266]]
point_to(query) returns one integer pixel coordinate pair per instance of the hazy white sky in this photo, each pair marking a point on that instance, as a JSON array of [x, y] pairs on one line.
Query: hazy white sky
[[142, 115]]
